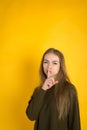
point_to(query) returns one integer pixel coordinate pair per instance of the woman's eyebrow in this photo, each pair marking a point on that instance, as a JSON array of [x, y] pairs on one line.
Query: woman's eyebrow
[[46, 60], [52, 61], [55, 61]]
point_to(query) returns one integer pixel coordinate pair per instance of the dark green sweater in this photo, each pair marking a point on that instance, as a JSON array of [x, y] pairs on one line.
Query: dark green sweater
[[42, 108]]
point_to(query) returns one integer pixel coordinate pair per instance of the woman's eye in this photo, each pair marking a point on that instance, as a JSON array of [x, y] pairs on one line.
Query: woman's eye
[[55, 63], [45, 62]]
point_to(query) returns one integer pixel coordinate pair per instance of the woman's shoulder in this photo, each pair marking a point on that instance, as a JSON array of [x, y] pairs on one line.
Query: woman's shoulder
[[36, 90], [72, 88], [73, 92]]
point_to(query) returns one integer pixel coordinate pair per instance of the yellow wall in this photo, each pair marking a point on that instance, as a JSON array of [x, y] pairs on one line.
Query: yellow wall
[[27, 29]]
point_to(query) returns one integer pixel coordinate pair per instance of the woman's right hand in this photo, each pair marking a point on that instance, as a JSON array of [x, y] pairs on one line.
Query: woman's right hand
[[49, 82]]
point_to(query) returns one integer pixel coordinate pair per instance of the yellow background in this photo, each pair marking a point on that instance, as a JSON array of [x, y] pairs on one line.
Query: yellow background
[[27, 29]]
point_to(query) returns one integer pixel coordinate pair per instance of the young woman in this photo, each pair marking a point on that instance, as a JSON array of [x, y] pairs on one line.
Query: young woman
[[54, 104]]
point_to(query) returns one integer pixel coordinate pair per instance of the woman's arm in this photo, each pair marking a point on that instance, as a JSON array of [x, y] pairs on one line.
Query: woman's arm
[[74, 114], [35, 104]]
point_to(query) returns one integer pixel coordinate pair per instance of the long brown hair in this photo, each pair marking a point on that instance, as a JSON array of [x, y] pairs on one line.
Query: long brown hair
[[61, 89]]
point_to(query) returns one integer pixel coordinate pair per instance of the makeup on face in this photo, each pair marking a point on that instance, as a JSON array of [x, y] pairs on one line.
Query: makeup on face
[[51, 64]]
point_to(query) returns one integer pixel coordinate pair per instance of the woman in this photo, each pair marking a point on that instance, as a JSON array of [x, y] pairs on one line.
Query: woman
[[54, 104]]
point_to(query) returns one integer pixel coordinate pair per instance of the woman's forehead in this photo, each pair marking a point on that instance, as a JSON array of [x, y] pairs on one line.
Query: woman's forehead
[[51, 56]]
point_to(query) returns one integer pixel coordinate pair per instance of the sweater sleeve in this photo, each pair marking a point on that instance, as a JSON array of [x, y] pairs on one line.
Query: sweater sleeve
[[74, 114], [35, 104]]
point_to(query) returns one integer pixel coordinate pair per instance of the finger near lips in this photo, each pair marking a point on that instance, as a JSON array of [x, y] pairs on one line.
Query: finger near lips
[[49, 74]]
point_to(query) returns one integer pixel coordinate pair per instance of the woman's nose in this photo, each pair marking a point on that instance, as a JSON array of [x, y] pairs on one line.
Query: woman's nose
[[49, 66]]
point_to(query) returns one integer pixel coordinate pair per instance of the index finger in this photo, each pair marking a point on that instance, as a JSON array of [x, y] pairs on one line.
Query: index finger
[[48, 74]]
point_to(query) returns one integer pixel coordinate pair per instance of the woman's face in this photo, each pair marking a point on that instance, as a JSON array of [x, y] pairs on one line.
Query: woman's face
[[51, 64]]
